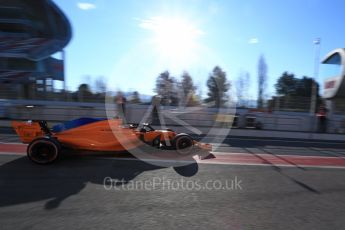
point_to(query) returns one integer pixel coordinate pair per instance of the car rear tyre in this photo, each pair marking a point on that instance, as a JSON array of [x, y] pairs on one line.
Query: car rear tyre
[[183, 144], [43, 150]]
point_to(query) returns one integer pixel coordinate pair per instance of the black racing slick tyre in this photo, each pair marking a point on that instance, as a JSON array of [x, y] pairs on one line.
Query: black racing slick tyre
[[183, 144], [43, 150]]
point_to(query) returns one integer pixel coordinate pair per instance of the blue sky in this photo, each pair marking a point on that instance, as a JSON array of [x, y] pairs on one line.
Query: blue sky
[[130, 42]]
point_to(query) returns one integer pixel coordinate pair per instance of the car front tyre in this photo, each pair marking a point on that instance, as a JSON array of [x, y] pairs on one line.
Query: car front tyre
[[183, 144]]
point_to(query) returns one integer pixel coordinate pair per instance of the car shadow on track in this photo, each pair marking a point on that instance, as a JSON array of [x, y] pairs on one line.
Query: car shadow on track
[[22, 181]]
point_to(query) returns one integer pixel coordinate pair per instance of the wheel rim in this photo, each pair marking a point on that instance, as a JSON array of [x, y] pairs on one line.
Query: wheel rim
[[184, 145], [43, 152]]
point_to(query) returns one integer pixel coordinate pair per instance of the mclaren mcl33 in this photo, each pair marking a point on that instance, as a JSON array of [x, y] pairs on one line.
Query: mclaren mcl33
[[102, 135]]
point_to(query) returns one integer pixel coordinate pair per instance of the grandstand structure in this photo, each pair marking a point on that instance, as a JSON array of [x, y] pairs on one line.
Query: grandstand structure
[[334, 83], [31, 33]]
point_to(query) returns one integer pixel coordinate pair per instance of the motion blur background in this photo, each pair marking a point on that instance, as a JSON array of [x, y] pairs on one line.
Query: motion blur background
[[60, 60]]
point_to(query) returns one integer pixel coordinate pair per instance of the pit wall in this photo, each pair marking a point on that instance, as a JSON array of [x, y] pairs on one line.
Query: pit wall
[[202, 117]]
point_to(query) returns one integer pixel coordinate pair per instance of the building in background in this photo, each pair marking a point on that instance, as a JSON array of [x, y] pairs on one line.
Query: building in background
[[30, 33], [334, 84]]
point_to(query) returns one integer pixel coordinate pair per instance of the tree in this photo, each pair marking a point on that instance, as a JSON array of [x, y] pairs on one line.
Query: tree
[[242, 86], [294, 93], [166, 89], [286, 84], [262, 80], [217, 85], [100, 85], [304, 87], [84, 93], [188, 97], [289, 85], [135, 98]]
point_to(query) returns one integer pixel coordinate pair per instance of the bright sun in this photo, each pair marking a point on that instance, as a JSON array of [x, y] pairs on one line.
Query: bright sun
[[174, 38]]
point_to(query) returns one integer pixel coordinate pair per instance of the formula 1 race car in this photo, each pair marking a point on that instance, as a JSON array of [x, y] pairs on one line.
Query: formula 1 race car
[[100, 135]]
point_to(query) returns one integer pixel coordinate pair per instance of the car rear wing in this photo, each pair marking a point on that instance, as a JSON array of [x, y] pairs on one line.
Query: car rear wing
[[28, 131]]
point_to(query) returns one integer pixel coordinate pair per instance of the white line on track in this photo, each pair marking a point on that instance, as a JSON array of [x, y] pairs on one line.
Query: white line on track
[[227, 163], [274, 140], [267, 154]]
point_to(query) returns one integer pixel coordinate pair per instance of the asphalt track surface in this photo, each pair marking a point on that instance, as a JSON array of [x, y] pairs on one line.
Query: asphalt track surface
[[252, 183]]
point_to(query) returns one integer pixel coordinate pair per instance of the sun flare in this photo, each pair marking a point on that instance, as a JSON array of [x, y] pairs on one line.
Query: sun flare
[[174, 38]]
